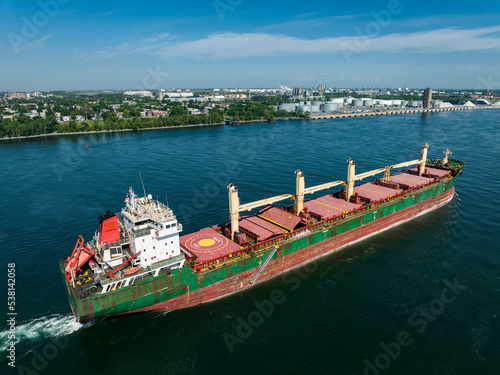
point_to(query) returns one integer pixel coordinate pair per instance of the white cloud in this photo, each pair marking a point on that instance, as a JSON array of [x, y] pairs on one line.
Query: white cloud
[[234, 45], [35, 44]]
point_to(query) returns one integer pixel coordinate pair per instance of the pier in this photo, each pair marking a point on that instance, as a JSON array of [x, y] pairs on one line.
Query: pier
[[325, 116]]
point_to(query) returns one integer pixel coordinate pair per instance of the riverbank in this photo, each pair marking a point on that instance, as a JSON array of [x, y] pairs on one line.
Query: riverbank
[[322, 116], [132, 130]]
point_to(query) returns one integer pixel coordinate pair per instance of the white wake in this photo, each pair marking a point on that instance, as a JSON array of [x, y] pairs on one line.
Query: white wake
[[51, 326]]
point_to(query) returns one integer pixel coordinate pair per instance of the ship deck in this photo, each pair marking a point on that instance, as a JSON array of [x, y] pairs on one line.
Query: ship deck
[[208, 245], [409, 180], [328, 207]]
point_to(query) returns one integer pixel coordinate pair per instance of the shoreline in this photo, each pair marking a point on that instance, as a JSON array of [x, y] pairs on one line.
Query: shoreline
[[131, 130], [323, 116]]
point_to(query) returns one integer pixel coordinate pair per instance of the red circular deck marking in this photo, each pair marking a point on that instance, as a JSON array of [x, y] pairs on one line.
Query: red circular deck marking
[[207, 243]]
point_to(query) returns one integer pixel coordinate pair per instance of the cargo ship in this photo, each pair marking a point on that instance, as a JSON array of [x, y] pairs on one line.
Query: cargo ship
[[137, 261]]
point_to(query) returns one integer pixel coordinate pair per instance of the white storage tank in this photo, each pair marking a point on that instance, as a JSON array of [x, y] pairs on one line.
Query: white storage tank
[[289, 107], [357, 103], [368, 103], [396, 102], [348, 101], [330, 107], [337, 100]]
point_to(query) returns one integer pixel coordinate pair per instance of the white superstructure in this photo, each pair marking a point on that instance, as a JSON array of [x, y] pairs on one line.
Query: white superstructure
[[152, 229]]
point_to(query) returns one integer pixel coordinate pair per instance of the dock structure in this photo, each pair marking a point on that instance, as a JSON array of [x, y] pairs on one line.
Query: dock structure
[[324, 116]]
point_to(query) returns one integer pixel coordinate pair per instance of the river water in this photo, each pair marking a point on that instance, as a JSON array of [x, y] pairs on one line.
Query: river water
[[422, 298]]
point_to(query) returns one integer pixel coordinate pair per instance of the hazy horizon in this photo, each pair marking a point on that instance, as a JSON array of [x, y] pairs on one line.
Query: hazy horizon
[[53, 45]]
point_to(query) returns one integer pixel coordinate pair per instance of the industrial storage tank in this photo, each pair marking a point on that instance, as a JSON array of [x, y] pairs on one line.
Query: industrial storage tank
[[315, 108], [304, 108], [404, 103], [384, 102], [337, 100], [348, 101], [396, 102], [368, 103], [330, 107], [357, 103], [290, 107], [316, 103]]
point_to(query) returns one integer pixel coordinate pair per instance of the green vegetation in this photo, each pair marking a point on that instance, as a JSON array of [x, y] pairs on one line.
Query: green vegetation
[[100, 107]]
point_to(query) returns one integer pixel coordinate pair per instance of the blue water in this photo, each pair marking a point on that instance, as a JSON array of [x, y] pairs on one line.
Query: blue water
[[335, 316]]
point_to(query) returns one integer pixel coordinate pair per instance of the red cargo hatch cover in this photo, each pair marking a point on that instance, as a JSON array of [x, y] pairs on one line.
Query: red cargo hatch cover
[[409, 180], [328, 207], [280, 217], [374, 192], [260, 228]]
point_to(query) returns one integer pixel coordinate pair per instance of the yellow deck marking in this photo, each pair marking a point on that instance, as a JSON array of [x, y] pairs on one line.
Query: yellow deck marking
[[271, 221], [373, 191], [206, 242], [327, 205]]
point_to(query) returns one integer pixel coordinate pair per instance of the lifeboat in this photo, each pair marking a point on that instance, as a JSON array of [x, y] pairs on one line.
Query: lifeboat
[[131, 271]]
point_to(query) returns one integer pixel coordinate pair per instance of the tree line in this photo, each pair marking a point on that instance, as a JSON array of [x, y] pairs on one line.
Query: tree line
[[24, 125]]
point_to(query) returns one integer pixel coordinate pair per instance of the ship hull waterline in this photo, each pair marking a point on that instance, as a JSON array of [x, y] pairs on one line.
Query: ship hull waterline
[[288, 263], [166, 295]]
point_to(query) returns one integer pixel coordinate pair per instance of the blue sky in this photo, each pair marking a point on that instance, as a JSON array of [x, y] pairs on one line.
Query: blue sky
[[108, 44]]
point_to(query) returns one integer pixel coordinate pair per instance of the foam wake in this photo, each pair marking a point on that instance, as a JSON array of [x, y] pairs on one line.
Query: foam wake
[[51, 326]]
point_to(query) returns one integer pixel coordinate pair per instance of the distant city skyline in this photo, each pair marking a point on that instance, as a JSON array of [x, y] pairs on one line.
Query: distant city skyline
[[108, 45]]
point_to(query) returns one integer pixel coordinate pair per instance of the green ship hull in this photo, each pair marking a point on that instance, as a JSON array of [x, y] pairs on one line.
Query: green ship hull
[[184, 287]]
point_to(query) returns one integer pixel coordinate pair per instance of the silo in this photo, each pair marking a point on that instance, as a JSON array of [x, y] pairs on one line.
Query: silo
[[337, 100], [290, 107], [330, 107], [357, 103]]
